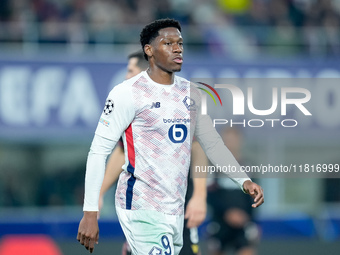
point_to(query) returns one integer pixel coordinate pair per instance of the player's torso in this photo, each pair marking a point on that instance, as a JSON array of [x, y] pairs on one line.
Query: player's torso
[[162, 114], [161, 146]]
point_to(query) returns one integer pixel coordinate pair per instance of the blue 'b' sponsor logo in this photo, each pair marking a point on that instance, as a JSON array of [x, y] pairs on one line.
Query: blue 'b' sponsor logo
[[178, 133]]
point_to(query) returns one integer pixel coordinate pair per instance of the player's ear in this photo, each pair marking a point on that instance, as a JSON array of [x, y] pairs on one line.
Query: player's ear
[[148, 50]]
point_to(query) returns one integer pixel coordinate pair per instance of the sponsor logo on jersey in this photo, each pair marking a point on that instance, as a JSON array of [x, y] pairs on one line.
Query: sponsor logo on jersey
[[176, 120], [108, 108], [156, 105], [178, 133]]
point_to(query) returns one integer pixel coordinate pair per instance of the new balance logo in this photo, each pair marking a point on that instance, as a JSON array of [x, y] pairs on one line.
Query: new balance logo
[[156, 105]]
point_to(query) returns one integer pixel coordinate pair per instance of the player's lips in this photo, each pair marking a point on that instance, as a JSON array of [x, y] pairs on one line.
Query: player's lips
[[178, 60]]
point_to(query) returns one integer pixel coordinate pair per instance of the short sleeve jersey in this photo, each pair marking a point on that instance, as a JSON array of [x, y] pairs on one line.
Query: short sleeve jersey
[[154, 121]]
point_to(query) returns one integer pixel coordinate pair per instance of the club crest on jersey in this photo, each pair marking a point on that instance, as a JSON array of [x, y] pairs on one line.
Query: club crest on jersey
[[108, 108], [189, 103]]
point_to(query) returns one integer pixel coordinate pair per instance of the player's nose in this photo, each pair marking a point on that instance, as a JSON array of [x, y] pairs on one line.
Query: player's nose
[[177, 48]]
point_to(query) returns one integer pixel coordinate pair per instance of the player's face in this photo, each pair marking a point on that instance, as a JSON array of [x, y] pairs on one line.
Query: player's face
[[167, 50], [132, 68]]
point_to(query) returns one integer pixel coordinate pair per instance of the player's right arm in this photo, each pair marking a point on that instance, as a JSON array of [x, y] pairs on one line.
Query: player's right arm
[[112, 172], [112, 124]]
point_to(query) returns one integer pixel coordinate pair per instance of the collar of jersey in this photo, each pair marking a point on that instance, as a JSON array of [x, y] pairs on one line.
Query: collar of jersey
[[158, 84]]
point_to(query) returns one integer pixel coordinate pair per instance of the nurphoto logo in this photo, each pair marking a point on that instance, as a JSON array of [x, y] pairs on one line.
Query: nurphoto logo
[[281, 98]]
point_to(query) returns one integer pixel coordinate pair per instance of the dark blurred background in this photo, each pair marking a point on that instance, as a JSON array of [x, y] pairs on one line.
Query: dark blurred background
[[60, 58]]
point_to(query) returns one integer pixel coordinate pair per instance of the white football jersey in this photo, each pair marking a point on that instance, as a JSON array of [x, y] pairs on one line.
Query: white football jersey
[[157, 123]]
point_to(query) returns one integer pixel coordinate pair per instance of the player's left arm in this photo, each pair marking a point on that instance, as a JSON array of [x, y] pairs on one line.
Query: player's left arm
[[196, 209], [221, 156]]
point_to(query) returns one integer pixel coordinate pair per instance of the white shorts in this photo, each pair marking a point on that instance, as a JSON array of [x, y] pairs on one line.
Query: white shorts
[[152, 232]]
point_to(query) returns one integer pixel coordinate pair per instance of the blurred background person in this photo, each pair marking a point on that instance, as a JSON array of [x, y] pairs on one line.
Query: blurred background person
[[136, 64], [232, 226]]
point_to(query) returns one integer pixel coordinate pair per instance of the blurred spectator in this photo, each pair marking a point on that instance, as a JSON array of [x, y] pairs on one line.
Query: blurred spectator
[[331, 186], [331, 24], [284, 40], [236, 25], [321, 28], [5, 10], [232, 226], [12, 195], [234, 6]]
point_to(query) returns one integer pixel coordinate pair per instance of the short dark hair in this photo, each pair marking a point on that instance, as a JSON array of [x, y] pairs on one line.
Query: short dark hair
[[150, 31], [141, 62]]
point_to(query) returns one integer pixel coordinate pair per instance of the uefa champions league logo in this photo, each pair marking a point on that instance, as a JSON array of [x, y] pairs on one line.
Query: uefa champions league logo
[[108, 108]]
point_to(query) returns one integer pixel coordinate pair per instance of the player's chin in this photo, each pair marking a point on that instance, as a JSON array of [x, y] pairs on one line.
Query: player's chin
[[177, 69]]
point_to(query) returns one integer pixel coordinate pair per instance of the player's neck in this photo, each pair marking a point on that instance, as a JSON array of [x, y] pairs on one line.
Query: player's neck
[[160, 76]]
